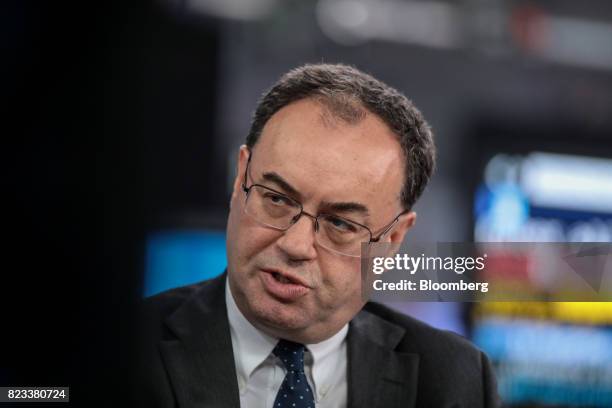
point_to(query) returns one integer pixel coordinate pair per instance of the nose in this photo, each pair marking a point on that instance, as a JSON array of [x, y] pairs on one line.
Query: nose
[[298, 242]]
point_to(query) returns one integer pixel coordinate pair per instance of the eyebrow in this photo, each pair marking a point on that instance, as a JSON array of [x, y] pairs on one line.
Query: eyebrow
[[342, 207], [275, 178], [348, 207]]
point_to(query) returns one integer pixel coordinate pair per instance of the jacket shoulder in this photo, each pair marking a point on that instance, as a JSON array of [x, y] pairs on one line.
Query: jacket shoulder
[[166, 302], [154, 310], [150, 380], [461, 371], [419, 336]]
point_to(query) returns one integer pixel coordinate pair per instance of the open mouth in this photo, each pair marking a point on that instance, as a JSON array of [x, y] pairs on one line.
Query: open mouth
[[282, 279], [283, 287]]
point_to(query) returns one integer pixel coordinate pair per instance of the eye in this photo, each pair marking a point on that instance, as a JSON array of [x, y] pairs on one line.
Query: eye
[[340, 224], [277, 199]]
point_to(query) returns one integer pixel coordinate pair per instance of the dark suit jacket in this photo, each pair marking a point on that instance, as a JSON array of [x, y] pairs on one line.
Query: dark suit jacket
[[393, 360]]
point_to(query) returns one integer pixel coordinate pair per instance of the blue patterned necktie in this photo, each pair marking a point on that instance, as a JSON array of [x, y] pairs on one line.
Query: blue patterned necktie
[[294, 391]]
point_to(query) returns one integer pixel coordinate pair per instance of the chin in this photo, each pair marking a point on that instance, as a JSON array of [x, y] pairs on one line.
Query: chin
[[280, 317]]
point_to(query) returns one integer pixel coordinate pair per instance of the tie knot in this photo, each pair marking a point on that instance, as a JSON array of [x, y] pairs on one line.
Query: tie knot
[[291, 354]]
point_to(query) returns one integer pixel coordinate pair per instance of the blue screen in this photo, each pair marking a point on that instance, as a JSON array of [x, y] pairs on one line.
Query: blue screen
[[182, 257]]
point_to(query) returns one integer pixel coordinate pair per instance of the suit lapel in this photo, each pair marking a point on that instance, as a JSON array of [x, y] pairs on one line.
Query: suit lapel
[[200, 360], [201, 367], [379, 376]]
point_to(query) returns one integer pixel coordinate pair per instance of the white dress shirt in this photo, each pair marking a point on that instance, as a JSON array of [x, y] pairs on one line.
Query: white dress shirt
[[260, 373]]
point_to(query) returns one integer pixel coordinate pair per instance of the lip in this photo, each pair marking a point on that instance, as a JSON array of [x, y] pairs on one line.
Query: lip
[[290, 291], [294, 279]]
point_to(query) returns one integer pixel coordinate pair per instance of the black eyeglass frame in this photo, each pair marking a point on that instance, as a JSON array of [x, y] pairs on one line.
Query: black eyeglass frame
[[295, 219]]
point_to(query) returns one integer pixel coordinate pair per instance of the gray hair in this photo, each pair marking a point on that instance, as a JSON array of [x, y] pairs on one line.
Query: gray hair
[[345, 91]]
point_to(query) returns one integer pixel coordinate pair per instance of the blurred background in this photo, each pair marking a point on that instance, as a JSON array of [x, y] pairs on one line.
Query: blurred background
[[123, 122]]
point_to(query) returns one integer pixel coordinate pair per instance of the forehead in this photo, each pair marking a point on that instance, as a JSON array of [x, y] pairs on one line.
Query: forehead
[[323, 157]]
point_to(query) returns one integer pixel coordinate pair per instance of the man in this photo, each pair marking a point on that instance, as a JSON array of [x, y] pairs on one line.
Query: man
[[334, 158]]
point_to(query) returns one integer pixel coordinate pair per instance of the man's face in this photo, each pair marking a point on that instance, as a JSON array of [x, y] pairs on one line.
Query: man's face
[[320, 163]]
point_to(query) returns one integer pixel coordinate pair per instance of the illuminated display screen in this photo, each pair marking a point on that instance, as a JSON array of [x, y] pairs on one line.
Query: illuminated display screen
[[549, 354], [176, 258]]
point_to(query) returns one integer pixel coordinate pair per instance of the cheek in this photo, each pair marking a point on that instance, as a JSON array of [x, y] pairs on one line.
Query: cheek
[[341, 280], [252, 239]]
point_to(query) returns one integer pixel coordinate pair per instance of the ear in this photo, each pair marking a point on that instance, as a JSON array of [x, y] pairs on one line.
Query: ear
[[243, 158], [405, 222]]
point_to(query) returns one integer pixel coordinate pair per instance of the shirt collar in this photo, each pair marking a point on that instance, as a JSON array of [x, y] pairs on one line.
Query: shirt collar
[[326, 355], [252, 346]]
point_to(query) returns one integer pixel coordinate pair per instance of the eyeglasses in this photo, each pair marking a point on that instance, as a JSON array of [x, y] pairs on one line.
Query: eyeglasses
[[279, 211]]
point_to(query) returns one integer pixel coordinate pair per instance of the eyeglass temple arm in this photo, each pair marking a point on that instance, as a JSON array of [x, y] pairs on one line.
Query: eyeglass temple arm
[[388, 228], [244, 187]]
